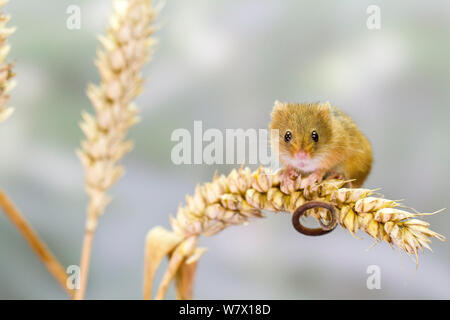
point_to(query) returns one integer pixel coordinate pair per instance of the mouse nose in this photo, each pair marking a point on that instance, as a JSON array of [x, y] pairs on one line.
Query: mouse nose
[[301, 155]]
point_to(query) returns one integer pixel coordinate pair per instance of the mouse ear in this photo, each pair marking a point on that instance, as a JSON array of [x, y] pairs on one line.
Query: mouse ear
[[325, 105], [277, 105]]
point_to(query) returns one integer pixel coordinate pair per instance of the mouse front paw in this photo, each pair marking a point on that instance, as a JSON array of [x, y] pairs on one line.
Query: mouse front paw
[[335, 175], [290, 173], [288, 179], [313, 178]]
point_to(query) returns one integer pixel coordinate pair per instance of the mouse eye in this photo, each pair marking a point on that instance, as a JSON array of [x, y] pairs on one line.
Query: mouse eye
[[288, 136], [315, 136]]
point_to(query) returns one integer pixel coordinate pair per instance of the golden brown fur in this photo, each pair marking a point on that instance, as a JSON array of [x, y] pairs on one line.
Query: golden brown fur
[[341, 148]]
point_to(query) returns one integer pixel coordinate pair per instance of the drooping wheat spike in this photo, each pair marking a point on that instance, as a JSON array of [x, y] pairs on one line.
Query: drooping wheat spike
[[243, 194], [6, 74], [126, 47]]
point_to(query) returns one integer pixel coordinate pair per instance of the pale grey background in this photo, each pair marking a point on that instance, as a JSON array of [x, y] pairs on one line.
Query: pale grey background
[[225, 62]]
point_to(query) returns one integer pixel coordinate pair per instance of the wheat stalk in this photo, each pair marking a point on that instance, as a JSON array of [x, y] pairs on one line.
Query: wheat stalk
[[10, 210], [243, 194], [126, 48], [39, 247]]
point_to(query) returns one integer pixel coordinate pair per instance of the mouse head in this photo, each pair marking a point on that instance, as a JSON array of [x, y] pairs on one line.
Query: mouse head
[[304, 130]]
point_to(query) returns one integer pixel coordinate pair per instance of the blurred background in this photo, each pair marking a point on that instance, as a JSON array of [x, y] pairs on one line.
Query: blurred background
[[225, 63]]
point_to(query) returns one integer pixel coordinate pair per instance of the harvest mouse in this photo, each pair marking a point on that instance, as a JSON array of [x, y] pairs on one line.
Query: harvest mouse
[[320, 139]]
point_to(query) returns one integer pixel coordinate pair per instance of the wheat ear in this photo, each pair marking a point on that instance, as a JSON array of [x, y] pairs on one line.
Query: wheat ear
[[243, 194], [6, 74], [6, 85], [127, 46]]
